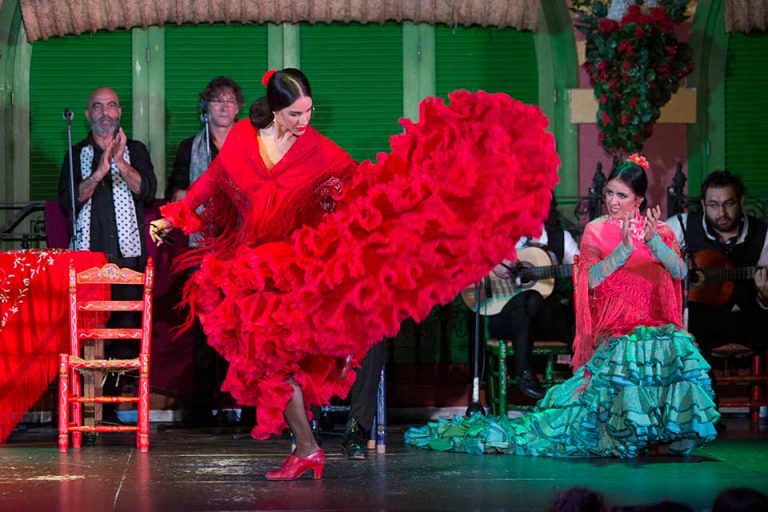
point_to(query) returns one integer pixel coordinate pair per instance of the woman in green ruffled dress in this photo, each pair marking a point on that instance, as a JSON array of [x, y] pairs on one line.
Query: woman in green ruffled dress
[[640, 383]]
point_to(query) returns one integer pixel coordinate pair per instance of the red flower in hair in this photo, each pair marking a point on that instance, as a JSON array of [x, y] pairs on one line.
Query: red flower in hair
[[265, 78], [638, 159]]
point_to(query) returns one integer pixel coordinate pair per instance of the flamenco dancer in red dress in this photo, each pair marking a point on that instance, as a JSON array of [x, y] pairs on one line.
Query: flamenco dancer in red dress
[[310, 258]]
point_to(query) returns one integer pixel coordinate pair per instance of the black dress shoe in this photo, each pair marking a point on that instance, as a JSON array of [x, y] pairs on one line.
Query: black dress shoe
[[529, 385], [353, 440]]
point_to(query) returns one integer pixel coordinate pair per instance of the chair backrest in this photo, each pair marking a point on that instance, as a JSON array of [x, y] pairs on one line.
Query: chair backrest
[[107, 276]]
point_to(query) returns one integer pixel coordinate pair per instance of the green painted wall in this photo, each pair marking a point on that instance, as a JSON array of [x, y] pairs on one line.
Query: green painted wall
[[62, 74], [491, 59], [357, 83], [746, 109], [193, 56]]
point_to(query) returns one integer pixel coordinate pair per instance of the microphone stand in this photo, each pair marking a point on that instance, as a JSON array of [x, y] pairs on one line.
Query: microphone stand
[[68, 115], [205, 117], [475, 405]]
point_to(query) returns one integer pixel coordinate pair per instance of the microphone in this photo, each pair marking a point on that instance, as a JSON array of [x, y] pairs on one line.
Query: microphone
[[68, 114], [204, 106]]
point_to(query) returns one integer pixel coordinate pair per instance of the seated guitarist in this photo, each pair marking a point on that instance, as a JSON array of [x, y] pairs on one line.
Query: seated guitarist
[[724, 227], [528, 314]]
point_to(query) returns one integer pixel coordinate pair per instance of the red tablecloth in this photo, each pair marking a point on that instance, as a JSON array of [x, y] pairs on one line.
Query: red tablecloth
[[33, 324]]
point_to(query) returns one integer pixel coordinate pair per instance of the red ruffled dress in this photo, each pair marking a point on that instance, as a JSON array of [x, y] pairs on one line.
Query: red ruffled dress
[[318, 258]]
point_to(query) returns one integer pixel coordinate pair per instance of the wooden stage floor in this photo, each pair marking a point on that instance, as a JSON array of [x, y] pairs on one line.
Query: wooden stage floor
[[217, 470]]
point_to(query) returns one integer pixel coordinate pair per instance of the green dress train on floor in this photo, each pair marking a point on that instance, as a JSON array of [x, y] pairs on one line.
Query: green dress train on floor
[[642, 385], [648, 387]]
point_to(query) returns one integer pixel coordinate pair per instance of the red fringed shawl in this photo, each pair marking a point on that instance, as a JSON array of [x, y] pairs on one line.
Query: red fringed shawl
[[641, 292]]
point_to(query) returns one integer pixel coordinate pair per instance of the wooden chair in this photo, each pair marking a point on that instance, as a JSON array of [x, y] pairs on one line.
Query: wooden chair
[[756, 380], [498, 380], [71, 397]]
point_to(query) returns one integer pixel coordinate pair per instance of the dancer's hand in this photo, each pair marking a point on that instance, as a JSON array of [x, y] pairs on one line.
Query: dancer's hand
[[158, 228], [626, 233], [118, 145], [651, 222]]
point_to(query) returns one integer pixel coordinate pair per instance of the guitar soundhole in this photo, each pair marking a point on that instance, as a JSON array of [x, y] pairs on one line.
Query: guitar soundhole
[[525, 277]]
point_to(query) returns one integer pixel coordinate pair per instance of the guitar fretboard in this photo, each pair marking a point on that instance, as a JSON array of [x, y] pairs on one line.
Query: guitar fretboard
[[728, 274], [549, 272]]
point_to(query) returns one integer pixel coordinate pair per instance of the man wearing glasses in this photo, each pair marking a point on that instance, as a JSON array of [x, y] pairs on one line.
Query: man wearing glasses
[[220, 102], [723, 226]]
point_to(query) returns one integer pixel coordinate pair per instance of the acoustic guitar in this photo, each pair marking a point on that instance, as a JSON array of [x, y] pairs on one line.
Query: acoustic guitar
[[713, 277], [532, 271]]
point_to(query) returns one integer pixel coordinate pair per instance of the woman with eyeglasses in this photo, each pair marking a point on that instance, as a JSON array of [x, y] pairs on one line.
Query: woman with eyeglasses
[[308, 258], [640, 384]]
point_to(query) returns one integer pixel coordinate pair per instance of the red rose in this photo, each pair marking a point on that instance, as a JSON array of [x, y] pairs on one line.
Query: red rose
[[626, 65], [633, 15], [607, 26], [603, 99], [633, 102], [602, 66], [625, 119], [639, 32], [626, 48], [659, 17], [612, 84], [606, 119]]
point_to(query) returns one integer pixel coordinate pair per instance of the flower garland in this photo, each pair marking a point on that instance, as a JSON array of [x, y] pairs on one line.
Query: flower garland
[[634, 65]]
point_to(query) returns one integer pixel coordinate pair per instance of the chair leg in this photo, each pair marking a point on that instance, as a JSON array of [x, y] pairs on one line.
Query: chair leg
[[142, 435], [76, 408], [63, 403], [502, 378], [756, 388], [549, 369]]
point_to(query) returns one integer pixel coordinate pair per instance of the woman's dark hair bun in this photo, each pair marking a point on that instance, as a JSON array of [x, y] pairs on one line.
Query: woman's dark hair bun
[[260, 114]]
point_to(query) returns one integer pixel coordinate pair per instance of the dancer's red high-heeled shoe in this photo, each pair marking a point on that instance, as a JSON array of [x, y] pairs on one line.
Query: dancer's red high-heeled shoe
[[293, 467]]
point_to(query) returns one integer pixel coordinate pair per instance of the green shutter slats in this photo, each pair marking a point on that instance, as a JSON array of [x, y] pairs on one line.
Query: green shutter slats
[[746, 111], [489, 59], [195, 54], [356, 72]]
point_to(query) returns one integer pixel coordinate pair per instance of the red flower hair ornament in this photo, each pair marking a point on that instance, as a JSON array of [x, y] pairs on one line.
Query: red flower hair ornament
[[638, 159], [265, 78]]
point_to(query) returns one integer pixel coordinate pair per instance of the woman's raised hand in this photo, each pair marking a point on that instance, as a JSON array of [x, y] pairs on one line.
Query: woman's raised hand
[[651, 221], [158, 229], [626, 233]]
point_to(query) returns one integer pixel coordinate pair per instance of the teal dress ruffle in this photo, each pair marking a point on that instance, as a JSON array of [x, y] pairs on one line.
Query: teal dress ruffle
[[644, 389]]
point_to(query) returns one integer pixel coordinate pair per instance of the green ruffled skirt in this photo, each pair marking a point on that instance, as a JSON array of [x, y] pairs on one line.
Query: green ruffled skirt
[[645, 389]]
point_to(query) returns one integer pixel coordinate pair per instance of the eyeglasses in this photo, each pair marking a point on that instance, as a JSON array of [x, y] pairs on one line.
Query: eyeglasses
[[714, 205], [224, 102]]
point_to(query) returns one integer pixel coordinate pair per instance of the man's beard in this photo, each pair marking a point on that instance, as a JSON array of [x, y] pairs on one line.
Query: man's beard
[[733, 224], [102, 129]]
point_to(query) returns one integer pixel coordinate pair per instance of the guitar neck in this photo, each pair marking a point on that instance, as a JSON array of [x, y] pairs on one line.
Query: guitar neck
[[729, 274], [549, 272]]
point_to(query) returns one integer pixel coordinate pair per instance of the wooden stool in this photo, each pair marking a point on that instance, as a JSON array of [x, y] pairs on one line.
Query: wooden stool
[[498, 379], [756, 380]]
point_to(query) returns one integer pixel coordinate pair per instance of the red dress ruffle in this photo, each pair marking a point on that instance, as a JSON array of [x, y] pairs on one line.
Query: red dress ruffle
[[409, 231]]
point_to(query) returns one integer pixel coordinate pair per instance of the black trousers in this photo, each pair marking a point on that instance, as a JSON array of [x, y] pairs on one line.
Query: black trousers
[[209, 370], [362, 396], [714, 326], [527, 317]]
